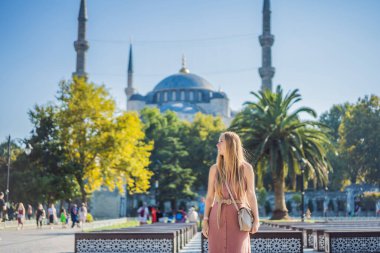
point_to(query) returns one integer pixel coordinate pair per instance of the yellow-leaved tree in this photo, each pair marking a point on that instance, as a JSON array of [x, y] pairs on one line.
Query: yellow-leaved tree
[[102, 147]]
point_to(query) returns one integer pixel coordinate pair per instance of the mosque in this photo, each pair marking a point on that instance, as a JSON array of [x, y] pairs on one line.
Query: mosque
[[184, 93]]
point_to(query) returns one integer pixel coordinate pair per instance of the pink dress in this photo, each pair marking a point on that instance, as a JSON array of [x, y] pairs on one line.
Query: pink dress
[[227, 238]]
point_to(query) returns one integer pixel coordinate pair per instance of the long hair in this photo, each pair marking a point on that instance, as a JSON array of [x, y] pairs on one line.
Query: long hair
[[229, 166]]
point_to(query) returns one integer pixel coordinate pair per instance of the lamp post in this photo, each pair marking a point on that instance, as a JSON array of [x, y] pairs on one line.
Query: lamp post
[[326, 204], [28, 150], [302, 190], [156, 182]]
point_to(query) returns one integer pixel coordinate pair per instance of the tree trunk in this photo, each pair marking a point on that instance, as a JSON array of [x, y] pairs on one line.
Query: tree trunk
[[280, 210], [82, 190]]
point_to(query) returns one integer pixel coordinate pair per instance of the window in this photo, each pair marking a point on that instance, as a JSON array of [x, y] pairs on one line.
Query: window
[[165, 96], [158, 97], [199, 96], [182, 95], [191, 96]]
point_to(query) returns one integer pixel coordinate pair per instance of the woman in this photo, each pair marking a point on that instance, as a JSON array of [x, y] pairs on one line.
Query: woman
[[20, 215], [82, 215], [40, 215], [220, 222], [52, 214]]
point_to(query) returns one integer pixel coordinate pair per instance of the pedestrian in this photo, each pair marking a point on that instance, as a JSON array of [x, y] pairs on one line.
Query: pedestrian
[[52, 214], [193, 215], [74, 214], [231, 182], [30, 211], [40, 215], [20, 215], [153, 212], [143, 214], [2, 207], [82, 214], [63, 217], [180, 216]]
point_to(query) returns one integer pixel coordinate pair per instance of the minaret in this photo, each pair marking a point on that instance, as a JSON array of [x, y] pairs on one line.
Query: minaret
[[129, 91], [266, 41], [81, 44]]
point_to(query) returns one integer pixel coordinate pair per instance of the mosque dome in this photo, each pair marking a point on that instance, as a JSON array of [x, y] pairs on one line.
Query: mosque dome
[[184, 80]]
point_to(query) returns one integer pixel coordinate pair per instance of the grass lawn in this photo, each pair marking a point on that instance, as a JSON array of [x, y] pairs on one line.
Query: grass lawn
[[132, 223]]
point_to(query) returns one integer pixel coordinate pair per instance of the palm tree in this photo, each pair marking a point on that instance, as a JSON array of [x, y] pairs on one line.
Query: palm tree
[[279, 140]]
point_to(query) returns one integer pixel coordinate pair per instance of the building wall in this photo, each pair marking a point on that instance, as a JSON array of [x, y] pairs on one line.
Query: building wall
[[106, 204]]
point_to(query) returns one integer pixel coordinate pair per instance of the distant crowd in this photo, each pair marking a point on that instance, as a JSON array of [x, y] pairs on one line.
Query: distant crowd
[[49, 217], [153, 214]]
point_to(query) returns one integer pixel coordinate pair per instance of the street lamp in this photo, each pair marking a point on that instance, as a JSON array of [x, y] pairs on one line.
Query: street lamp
[[325, 203], [28, 150], [302, 190], [156, 183]]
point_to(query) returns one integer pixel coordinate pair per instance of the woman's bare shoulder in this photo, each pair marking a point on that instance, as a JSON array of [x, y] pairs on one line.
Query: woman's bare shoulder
[[213, 168], [247, 166]]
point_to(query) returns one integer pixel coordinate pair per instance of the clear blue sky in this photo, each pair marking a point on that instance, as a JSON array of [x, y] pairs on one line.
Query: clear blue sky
[[329, 49]]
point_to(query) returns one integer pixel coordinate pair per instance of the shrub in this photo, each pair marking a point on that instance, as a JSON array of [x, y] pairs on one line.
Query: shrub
[[89, 218]]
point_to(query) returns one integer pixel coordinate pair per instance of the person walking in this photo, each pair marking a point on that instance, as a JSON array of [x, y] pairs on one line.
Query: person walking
[[40, 215], [231, 175], [63, 217], [2, 207], [52, 214], [82, 214], [20, 215], [30, 211], [74, 215], [143, 214], [193, 215]]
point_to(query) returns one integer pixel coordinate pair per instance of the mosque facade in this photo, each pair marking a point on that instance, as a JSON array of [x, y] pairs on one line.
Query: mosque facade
[[184, 93]]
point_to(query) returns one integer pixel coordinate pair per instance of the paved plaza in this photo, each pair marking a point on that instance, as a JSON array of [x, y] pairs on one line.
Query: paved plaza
[[34, 240]]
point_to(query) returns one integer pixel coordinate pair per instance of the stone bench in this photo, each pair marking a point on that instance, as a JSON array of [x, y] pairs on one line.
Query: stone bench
[[363, 241], [319, 238], [143, 239], [268, 240]]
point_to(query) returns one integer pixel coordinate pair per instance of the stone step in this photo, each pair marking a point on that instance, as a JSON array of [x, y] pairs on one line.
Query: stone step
[[194, 246]]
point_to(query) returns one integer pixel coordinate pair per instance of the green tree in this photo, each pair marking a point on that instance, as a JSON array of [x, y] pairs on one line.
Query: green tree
[[49, 180], [200, 138], [100, 146], [360, 138], [333, 118], [165, 130], [279, 139]]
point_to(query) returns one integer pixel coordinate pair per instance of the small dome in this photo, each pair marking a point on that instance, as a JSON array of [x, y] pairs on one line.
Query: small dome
[[137, 97], [182, 81]]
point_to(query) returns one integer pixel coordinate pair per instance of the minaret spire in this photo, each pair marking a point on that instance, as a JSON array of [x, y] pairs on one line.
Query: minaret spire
[[184, 69], [266, 41], [81, 44], [129, 91]]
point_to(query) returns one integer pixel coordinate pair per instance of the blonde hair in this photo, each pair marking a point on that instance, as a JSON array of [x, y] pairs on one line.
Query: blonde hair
[[230, 167], [21, 206]]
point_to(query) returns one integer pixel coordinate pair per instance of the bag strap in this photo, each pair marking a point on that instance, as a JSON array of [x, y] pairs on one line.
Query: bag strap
[[233, 200]]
